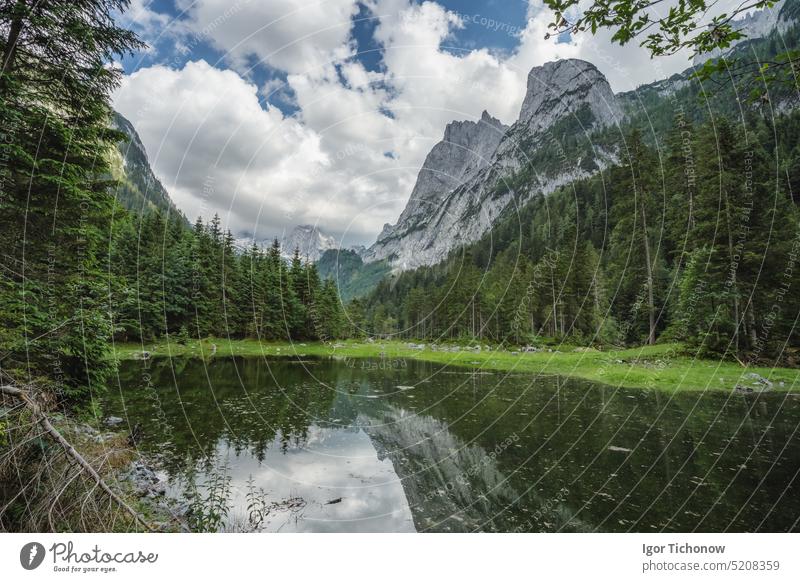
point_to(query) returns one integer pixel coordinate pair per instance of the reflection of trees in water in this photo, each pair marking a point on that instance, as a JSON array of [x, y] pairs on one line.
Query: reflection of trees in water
[[729, 455], [237, 400]]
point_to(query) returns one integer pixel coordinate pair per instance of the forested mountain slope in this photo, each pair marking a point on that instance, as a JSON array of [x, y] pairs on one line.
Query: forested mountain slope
[[137, 189], [352, 276], [690, 235]]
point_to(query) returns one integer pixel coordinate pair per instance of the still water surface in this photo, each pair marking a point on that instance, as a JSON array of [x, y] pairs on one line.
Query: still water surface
[[382, 445]]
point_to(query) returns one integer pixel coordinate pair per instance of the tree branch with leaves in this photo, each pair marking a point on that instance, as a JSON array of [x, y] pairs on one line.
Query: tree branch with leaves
[[666, 28]]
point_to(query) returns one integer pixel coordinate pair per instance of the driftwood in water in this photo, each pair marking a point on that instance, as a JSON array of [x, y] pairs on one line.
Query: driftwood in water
[[84, 465]]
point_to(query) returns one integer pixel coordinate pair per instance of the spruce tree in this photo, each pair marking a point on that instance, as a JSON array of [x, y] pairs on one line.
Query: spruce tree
[[56, 207]]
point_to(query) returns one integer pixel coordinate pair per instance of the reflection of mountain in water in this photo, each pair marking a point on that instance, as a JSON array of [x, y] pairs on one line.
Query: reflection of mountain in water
[[425, 447], [451, 485]]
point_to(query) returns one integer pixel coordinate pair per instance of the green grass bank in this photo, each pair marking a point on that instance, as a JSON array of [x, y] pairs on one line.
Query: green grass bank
[[664, 367]]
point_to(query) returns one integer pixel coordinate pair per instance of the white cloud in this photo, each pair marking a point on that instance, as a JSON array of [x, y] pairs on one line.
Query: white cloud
[[218, 150], [434, 86], [141, 15], [296, 36]]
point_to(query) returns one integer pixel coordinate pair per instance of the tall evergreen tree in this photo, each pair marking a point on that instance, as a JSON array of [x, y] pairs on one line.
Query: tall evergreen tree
[[55, 208], [633, 249]]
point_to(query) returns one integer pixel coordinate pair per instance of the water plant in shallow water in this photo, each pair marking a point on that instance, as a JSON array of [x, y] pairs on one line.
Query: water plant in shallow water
[[209, 502]]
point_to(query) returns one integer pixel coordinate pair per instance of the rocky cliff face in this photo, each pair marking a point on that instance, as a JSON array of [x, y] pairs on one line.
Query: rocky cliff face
[[466, 148], [309, 240], [561, 88], [477, 170]]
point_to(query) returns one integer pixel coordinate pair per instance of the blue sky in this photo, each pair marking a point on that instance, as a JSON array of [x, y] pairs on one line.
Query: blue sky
[[274, 113]]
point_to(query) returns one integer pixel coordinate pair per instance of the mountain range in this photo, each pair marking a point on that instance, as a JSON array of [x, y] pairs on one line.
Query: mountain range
[[309, 241], [570, 126], [480, 168]]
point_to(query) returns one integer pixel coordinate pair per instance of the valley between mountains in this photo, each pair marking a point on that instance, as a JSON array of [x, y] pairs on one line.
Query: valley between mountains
[[584, 319]]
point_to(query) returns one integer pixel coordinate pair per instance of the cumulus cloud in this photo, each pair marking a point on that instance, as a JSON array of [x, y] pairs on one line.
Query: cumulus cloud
[[348, 157], [296, 36], [142, 16]]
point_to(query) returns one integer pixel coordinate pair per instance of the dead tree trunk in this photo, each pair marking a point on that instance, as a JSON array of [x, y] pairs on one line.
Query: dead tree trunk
[[651, 308]]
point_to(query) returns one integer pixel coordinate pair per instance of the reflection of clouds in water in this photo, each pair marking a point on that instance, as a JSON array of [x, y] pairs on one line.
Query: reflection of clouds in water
[[428, 462], [398, 462], [397, 472], [335, 463]]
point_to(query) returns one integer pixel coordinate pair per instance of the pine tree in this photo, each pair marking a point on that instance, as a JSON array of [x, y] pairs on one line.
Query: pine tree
[[719, 221], [355, 315], [280, 302], [178, 274], [232, 288], [56, 209], [633, 252]]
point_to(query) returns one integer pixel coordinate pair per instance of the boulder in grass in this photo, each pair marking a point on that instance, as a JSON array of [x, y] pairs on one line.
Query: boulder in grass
[[752, 383]]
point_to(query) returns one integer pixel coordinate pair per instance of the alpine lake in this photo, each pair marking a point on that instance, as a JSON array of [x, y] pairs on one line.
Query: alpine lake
[[400, 445]]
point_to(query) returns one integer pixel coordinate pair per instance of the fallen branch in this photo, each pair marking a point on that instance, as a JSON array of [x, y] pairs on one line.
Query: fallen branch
[[87, 468]]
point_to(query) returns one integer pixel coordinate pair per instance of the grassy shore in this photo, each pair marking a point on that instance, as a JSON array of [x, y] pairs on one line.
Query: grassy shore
[[664, 367]]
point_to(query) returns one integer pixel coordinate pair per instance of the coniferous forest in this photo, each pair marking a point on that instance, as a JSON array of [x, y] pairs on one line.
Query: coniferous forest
[[169, 280], [78, 269]]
